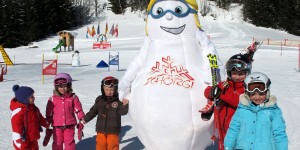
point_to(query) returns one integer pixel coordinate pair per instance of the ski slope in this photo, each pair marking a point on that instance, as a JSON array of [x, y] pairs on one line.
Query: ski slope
[[229, 36]]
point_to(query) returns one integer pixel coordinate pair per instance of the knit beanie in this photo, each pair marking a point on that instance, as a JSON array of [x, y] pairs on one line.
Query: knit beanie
[[22, 93]]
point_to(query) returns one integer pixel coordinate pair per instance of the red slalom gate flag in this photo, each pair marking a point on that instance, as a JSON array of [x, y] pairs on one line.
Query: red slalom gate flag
[[117, 31], [49, 67]]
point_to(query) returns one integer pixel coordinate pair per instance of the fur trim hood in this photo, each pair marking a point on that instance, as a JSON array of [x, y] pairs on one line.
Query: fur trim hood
[[245, 100]]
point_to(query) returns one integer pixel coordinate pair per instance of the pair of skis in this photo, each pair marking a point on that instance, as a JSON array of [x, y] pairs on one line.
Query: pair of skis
[[214, 67]]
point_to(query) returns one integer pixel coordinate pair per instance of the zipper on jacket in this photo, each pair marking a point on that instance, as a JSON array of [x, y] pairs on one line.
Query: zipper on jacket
[[225, 118], [106, 110]]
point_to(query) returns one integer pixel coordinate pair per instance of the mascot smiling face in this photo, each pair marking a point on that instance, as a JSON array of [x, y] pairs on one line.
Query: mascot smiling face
[[170, 18]]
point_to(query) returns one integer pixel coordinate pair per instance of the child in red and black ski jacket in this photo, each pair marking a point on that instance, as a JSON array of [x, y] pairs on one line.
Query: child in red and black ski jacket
[[26, 119], [227, 93]]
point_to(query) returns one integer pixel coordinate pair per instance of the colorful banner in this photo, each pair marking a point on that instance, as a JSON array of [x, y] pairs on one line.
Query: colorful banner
[[112, 30], [98, 29], [93, 31], [106, 28], [89, 31]]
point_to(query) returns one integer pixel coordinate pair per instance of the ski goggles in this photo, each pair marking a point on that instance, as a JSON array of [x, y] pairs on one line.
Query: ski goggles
[[60, 81], [182, 9], [110, 82], [256, 86], [237, 64]]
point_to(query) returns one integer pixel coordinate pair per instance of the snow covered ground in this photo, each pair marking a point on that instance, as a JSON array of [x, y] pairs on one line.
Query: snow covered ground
[[229, 36]]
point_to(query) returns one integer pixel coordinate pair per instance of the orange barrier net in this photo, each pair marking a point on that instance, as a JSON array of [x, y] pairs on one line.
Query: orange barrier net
[[284, 42]]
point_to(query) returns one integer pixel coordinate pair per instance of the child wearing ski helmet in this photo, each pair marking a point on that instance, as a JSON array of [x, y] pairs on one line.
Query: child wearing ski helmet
[[26, 119], [227, 93], [108, 109], [61, 110], [258, 122]]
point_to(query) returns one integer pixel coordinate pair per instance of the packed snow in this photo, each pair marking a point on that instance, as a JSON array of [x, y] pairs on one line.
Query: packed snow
[[230, 35]]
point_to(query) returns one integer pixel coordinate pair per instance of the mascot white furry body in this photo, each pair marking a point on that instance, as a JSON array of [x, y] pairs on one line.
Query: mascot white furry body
[[166, 80]]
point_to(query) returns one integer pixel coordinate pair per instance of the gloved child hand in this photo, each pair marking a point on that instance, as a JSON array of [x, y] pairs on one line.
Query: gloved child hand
[[215, 92], [125, 101], [80, 127], [47, 136], [49, 120]]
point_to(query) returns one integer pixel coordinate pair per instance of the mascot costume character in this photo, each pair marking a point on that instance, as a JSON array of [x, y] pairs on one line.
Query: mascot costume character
[[165, 82]]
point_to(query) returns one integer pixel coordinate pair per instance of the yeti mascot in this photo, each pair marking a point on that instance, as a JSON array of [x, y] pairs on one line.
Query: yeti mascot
[[165, 82]]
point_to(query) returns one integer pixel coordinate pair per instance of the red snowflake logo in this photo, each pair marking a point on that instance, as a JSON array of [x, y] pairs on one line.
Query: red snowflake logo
[[165, 73]]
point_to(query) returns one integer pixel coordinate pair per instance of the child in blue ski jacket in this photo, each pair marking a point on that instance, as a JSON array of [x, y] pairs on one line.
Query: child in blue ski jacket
[[258, 123]]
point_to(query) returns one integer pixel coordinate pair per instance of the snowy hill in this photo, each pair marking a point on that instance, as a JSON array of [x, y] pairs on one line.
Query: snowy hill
[[229, 35]]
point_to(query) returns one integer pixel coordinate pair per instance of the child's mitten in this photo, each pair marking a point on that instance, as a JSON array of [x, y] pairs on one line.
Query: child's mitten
[[47, 136]]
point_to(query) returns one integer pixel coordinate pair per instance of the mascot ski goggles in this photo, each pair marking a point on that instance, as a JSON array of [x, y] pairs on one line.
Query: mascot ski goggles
[[110, 82], [60, 81], [182, 9], [256, 86], [237, 64]]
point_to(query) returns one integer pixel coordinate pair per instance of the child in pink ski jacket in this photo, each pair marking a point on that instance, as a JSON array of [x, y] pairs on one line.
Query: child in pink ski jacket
[[61, 110]]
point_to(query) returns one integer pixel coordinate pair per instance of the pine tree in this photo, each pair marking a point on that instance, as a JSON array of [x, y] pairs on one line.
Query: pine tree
[[277, 14], [32, 30], [294, 27], [137, 5], [118, 6], [14, 19], [2, 21], [223, 4]]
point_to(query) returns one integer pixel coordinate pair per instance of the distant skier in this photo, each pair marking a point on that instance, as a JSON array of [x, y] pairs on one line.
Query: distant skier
[[258, 122]]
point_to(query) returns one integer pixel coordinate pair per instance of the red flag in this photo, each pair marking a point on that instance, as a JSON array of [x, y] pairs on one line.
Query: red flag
[[49, 67], [116, 30]]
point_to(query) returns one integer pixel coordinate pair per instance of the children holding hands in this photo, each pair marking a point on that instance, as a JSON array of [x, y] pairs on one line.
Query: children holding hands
[[108, 109], [26, 119], [61, 110]]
